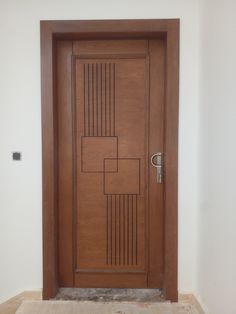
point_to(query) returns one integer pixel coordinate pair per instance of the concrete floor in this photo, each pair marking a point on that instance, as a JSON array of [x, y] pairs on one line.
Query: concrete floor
[[91, 307], [30, 303]]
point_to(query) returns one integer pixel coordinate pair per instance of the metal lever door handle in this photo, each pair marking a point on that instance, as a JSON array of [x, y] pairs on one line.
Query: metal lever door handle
[[158, 165]]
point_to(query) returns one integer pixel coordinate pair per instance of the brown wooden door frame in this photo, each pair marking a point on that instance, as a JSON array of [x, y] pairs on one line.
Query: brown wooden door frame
[[168, 29]]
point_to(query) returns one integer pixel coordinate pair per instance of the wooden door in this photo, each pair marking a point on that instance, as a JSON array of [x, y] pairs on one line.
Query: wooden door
[[110, 100]]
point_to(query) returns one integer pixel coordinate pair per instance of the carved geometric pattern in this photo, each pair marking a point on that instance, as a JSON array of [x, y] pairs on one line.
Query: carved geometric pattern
[[122, 230], [99, 99], [99, 154]]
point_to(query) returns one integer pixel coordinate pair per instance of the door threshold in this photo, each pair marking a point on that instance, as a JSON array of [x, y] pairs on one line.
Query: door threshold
[[110, 294]]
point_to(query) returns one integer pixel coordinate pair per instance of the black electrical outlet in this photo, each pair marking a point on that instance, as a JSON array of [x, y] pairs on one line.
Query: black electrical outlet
[[16, 156]]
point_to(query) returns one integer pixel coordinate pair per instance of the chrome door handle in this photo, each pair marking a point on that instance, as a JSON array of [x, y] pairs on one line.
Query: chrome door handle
[[157, 162]]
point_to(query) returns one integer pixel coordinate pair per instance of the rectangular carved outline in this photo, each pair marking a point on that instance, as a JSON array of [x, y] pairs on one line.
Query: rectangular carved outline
[[166, 29], [122, 254], [111, 103]]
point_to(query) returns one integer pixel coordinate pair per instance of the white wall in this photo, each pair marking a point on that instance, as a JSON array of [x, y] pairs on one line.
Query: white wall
[[217, 165], [20, 196]]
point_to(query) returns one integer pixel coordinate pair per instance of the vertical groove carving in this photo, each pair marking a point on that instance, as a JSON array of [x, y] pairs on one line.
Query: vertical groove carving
[[122, 230], [101, 95], [88, 102], [108, 236], [132, 230], [84, 69], [123, 209], [97, 96], [114, 99], [119, 233], [109, 89], [105, 98], [99, 99], [136, 228], [111, 242], [127, 207], [93, 99]]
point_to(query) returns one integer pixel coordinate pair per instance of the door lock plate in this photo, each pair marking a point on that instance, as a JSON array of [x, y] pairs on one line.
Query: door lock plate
[[157, 162]]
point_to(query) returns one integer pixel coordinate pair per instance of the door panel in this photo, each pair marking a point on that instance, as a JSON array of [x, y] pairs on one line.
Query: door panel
[[110, 121]]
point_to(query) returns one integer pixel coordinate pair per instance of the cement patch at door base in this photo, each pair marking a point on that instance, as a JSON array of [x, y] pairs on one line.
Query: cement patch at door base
[[110, 294], [90, 307]]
